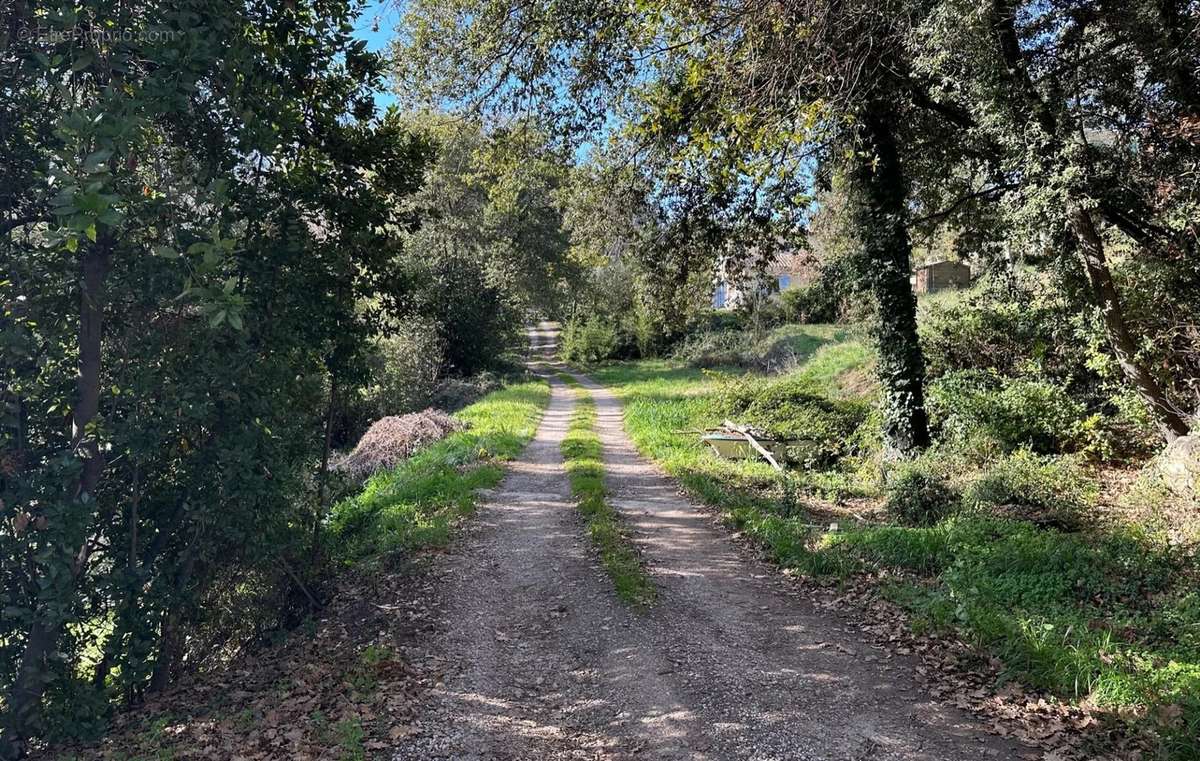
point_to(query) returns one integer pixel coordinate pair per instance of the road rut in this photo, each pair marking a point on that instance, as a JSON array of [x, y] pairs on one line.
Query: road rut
[[543, 662]]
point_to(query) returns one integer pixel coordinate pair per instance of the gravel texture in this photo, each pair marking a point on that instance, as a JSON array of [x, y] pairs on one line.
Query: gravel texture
[[541, 661]]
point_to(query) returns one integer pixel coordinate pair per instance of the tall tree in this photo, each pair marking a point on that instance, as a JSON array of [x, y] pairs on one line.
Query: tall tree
[[738, 103], [1087, 107], [190, 217]]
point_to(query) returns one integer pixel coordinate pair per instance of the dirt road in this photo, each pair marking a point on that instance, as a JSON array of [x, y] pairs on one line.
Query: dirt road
[[543, 662]]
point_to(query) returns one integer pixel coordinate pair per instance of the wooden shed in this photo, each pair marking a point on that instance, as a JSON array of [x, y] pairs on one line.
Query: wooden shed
[[940, 276]]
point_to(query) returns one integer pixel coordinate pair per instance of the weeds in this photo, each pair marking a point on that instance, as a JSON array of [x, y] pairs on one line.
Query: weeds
[[583, 455], [350, 737], [416, 503]]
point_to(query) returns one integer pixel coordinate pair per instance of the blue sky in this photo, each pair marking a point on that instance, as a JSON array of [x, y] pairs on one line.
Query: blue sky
[[384, 15]]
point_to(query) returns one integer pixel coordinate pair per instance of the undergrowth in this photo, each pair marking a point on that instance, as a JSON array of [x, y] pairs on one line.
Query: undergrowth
[[1110, 617], [582, 453], [417, 503]]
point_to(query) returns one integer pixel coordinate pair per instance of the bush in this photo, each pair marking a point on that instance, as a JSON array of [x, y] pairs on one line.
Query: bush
[[715, 348], [813, 303], [1022, 329], [589, 340], [1012, 413], [786, 347], [1006, 327], [1049, 491], [831, 296], [404, 371], [476, 319], [917, 496], [452, 394], [793, 408]]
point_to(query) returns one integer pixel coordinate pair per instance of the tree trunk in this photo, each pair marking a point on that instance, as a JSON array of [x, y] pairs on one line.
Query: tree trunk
[[878, 197], [25, 697], [323, 475], [170, 645], [1171, 423]]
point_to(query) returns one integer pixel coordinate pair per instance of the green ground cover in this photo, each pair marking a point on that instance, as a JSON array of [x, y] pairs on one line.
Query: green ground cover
[[417, 503], [582, 453], [1110, 615]]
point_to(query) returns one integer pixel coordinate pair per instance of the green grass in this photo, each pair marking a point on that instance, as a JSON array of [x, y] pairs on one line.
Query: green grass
[[1112, 617], [417, 503], [582, 453]]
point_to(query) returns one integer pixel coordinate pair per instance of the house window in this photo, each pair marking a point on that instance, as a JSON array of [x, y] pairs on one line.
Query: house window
[[785, 281], [719, 297]]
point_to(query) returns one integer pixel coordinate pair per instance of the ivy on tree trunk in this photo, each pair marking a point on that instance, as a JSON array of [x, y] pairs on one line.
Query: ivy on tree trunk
[[877, 200]]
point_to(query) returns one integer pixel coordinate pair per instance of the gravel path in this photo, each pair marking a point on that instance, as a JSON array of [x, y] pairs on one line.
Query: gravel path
[[543, 662]]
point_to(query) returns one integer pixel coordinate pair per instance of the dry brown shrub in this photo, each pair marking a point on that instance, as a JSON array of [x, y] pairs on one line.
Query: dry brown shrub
[[396, 437]]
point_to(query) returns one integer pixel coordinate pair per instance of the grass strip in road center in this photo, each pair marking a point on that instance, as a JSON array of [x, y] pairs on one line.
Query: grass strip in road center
[[582, 453]]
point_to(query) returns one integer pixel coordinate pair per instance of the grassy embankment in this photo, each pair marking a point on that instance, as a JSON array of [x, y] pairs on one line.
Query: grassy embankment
[[417, 503], [1106, 615], [582, 453]]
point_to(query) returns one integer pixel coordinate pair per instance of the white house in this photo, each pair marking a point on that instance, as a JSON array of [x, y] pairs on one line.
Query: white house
[[732, 287]]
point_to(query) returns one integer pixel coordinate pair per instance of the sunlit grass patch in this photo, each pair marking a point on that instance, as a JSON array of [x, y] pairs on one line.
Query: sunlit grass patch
[[583, 453], [417, 503]]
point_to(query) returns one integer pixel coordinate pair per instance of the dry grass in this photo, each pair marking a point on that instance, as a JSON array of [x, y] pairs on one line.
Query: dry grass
[[395, 438]]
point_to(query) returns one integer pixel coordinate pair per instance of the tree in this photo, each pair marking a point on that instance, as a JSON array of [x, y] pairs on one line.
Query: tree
[[190, 218], [490, 246], [736, 105], [1086, 107]]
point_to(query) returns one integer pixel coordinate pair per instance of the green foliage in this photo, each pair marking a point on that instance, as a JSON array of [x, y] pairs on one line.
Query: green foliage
[[810, 303], [1009, 327], [1008, 413], [405, 376], [417, 503], [583, 456], [205, 187], [824, 353], [1043, 489], [1108, 618], [350, 736], [1014, 365], [476, 319], [830, 297], [491, 222], [820, 428], [587, 340], [919, 496], [715, 348]]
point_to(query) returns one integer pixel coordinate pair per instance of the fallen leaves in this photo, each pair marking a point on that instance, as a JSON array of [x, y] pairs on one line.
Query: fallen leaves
[[957, 674], [352, 685]]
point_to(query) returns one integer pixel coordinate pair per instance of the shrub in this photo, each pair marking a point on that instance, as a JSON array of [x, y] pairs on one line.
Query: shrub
[[831, 296], [589, 340], [1006, 326], [812, 303], [793, 408], [715, 348], [1012, 413], [452, 394], [476, 318], [405, 372], [918, 496], [406, 369], [1052, 491]]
